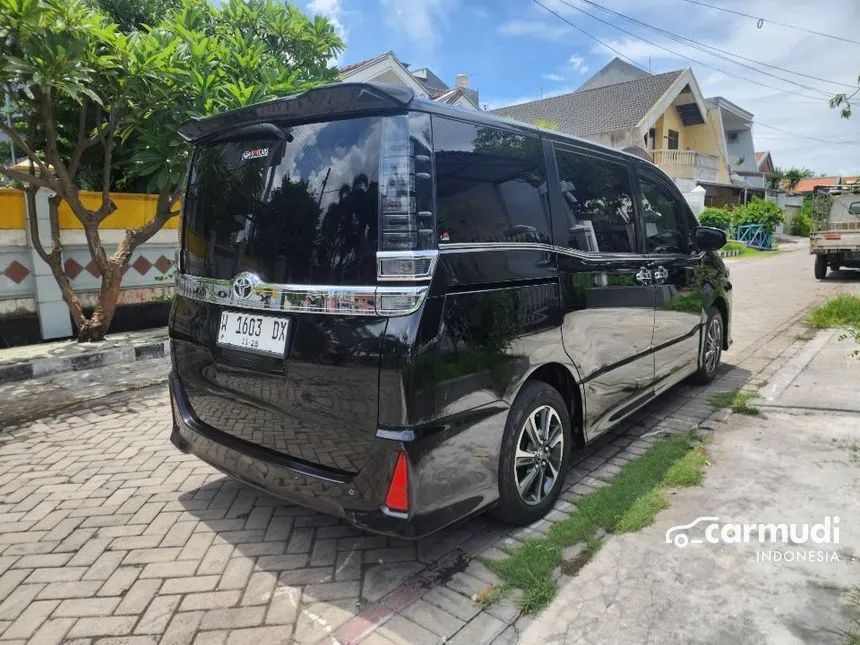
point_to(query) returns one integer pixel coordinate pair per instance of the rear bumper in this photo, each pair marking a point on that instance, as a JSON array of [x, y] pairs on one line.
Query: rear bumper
[[357, 499]]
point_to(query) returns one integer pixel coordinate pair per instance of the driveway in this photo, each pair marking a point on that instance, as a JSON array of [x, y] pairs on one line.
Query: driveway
[[796, 463], [109, 535]]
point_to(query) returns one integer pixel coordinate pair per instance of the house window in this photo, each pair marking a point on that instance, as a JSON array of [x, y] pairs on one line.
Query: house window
[[652, 135], [673, 140]]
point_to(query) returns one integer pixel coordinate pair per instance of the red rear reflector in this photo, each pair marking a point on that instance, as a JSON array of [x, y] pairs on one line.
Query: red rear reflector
[[398, 490], [832, 236]]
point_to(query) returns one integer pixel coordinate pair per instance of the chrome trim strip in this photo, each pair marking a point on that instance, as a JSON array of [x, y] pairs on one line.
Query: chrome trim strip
[[292, 298], [432, 255], [463, 247]]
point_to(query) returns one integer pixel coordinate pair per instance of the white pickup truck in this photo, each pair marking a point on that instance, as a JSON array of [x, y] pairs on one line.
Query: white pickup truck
[[838, 244]]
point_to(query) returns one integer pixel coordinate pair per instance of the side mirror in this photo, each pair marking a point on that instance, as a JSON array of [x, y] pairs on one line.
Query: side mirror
[[710, 239], [854, 209]]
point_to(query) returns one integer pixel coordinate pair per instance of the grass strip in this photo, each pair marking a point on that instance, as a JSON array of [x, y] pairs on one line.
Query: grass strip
[[737, 400], [627, 504], [841, 311]]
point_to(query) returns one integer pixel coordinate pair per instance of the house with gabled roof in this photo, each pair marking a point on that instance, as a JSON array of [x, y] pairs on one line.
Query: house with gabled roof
[[387, 68], [667, 116]]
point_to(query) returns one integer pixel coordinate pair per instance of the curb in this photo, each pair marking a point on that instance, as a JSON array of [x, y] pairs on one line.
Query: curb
[[730, 254], [113, 356]]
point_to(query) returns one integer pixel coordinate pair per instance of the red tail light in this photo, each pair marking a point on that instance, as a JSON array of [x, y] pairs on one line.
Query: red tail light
[[832, 236], [398, 490]]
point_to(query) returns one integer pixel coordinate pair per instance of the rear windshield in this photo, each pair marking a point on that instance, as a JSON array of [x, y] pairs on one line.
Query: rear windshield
[[298, 206]]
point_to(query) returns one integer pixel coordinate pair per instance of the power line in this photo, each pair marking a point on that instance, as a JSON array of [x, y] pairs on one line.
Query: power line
[[698, 62], [804, 136], [594, 38], [699, 45], [761, 21]]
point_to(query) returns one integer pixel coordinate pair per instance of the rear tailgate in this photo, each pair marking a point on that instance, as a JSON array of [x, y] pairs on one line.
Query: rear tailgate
[[317, 404], [844, 237], [280, 233]]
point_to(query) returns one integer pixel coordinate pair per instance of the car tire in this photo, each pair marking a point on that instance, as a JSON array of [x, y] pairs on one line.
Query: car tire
[[535, 454], [820, 267], [712, 348]]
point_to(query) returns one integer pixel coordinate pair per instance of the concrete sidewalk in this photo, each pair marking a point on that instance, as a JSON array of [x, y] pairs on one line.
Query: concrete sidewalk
[[797, 462], [46, 359]]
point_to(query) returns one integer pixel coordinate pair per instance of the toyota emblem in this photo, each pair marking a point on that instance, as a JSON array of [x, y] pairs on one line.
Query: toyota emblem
[[243, 285]]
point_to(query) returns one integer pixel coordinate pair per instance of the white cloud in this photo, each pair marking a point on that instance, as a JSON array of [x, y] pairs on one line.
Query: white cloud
[[422, 21], [578, 64], [333, 10], [557, 78], [800, 110], [540, 29]]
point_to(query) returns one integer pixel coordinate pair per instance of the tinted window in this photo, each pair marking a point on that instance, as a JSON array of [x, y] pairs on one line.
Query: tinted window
[[490, 184], [599, 202], [298, 209], [665, 219]]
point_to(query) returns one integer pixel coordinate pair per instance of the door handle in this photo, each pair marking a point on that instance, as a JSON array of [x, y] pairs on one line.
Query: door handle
[[660, 274], [643, 276]]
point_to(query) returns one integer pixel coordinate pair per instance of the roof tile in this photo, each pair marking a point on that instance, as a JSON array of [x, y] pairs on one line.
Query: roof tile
[[602, 109]]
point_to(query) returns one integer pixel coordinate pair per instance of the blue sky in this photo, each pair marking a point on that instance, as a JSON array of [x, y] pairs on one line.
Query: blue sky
[[514, 51]]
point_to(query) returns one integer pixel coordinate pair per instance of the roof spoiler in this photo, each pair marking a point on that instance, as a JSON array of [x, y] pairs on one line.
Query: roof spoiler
[[335, 99]]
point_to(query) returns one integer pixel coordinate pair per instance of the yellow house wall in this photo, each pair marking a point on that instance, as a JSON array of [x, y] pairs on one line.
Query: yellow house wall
[[669, 120], [133, 210], [12, 212], [705, 138]]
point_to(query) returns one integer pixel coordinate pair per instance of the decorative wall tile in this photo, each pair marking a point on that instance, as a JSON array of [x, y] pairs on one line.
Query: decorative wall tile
[[163, 264], [72, 268], [142, 265], [16, 272]]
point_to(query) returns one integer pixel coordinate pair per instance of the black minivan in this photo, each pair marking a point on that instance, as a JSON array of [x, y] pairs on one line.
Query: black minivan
[[402, 313]]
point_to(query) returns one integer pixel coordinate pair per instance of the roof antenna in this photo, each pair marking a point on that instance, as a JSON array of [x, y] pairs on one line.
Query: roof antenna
[[649, 63]]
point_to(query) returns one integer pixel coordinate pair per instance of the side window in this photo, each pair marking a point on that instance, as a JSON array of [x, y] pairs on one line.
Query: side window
[[490, 184], [666, 221], [673, 140], [599, 202]]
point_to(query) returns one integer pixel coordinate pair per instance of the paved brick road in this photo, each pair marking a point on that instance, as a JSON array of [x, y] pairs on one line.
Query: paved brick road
[[109, 535]]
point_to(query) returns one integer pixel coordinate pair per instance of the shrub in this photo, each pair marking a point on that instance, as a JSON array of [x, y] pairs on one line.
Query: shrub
[[801, 225], [758, 211], [717, 217]]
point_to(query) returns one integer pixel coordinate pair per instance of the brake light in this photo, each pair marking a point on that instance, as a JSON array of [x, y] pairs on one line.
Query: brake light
[[398, 490], [832, 236]]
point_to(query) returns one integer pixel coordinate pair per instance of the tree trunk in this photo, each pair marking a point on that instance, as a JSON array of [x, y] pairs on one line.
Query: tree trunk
[[96, 326]]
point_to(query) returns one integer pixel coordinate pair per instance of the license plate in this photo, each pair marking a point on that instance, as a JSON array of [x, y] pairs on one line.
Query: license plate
[[261, 334]]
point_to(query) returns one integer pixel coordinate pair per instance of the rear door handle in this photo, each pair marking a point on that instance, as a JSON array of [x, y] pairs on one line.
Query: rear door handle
[[660, 274], [643, 276]]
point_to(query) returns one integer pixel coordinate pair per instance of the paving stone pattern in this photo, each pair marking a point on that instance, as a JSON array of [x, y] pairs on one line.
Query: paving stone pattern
[[109, 535]]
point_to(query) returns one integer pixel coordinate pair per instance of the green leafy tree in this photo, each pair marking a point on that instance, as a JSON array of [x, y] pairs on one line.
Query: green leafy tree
[[717, 217], [794, 175], [775, 179], [842, 102], [80, 86], [131, 15], [801, 224], [758, 211]]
